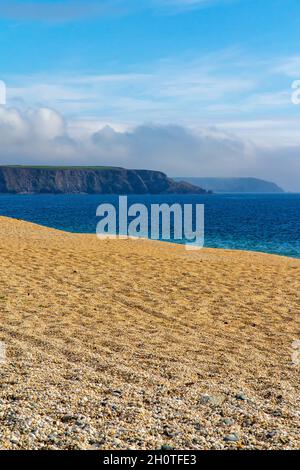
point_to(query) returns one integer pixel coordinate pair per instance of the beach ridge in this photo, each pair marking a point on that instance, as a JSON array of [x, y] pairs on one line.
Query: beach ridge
[[118, 344]]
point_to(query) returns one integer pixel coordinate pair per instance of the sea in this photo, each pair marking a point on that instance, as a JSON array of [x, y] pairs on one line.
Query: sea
[[267, 223]]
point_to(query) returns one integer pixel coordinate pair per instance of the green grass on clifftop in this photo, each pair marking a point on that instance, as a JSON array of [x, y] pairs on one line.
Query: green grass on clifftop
[[50, 167]]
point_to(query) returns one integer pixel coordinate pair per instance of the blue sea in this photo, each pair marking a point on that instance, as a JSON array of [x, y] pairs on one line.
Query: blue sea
[[265, 222]]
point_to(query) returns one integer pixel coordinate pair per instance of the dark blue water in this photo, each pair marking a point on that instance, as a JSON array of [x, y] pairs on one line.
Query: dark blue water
[[268, 223]]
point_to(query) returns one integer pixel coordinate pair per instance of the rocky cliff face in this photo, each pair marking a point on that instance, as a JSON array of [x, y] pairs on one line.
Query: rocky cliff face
[[76, 180]]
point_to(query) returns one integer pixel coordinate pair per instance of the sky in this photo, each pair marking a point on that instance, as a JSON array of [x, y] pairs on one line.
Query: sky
[[189, 87]]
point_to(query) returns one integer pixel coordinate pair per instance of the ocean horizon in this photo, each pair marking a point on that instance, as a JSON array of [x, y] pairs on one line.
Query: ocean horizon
[[268, 223]]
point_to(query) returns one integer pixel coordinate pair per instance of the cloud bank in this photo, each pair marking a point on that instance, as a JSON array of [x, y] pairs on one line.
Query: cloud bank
[[43, 136]]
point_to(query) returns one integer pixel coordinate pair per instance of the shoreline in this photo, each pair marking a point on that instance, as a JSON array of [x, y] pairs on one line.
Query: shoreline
[[170, 243]]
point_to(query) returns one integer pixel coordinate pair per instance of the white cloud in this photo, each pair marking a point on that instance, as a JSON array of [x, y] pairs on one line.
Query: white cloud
[[289, 66], [42, 136], [266, 133], [71, 10], [177, 6], [212, 88], [170, 88], [61, 10]]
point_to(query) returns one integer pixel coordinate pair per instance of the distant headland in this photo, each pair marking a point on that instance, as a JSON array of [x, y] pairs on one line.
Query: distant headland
[[233, 185], [21, 179]]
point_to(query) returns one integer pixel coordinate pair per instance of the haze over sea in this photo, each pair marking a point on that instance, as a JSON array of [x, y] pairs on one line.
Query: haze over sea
[[262, 222]]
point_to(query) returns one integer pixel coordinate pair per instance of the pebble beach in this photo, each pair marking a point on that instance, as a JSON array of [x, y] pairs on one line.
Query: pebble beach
[[136, 344]]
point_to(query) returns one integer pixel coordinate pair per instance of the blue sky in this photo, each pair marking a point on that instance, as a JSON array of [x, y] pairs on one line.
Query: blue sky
[[185, 86]]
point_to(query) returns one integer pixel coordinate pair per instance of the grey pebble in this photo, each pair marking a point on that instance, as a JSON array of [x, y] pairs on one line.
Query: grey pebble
[[241, 396], [231, 438], [166, 447], [228, 421], [210, 400]]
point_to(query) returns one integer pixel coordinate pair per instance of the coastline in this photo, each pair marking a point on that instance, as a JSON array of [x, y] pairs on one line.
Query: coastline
[[121, 344]]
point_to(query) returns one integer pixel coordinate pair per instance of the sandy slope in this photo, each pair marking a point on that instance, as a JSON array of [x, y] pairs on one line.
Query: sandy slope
[[136, 344]]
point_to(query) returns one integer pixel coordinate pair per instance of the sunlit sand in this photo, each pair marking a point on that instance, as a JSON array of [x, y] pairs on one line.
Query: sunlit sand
[[139, 344]]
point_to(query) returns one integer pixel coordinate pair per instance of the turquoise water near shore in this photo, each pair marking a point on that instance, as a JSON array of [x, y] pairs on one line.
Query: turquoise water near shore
[[262, 222]]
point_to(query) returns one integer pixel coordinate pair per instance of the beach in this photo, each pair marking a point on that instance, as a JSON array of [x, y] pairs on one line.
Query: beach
[[136, 344]]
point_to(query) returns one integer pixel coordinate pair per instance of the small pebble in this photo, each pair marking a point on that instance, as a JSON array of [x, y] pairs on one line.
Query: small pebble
[[241, 396], [271, 434], [231, 438], [228, 421], [166, 447]]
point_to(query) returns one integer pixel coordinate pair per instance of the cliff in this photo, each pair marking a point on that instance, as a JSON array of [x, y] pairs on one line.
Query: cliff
[[233, 185], [89, 180]]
